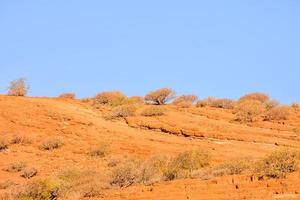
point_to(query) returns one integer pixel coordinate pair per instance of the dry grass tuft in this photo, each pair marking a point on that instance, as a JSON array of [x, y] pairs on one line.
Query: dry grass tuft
[[3, 144], [15, 167], [20, 139], [100, 150], [28, 173], [52, 143], [68, 95]]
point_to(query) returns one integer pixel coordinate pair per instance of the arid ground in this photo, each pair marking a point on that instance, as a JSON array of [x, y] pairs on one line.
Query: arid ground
[[79, 128]]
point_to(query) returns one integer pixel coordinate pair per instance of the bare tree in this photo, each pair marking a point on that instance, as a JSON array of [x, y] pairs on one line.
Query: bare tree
[[160, 96], [18, 87]]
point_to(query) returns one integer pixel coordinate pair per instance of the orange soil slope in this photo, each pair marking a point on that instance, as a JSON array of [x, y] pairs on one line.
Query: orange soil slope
[[80, 126]]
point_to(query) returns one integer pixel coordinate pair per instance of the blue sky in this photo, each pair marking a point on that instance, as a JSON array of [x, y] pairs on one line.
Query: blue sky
[[210, 48]]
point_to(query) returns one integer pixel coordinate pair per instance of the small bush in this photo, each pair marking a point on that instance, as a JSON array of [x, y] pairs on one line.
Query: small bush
[[271, 104], [20, 139], [232, 167], [39, 190], [52, 143], [296, 106], [191, 160], [28, 173], [160, 96], [248, 110], [135, 100], [113, 98], [185, 101], [125, 174], [206, 102], [67, 95], [98, 151], [18, 87], [216, 103], [184, 164], [6, 184], [153, 111], [86, 184], [277, 113], [256, 96], [3, 144], [297, 131], [277, 164], [15, 167], [122, 112]]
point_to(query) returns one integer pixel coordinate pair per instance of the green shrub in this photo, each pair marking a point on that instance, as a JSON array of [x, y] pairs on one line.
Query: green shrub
[[153, 111], [277, 164]]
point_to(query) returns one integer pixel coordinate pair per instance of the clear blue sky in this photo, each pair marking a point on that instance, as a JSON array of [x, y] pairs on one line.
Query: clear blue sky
[[210, 48]]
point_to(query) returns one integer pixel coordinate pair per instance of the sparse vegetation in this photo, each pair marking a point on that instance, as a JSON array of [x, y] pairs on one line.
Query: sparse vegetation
[[153, 111], [185, 101], [28, 173], [248, 110], [277, 113], [15, 167], [52, 143], [68, 95], [277, 164], [18, 87], [160, 96]]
